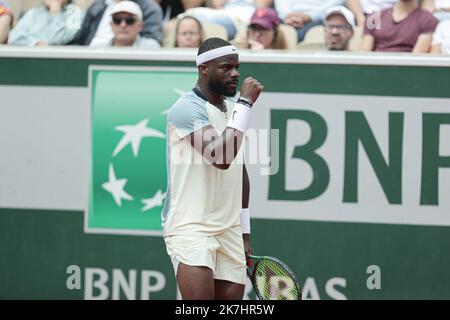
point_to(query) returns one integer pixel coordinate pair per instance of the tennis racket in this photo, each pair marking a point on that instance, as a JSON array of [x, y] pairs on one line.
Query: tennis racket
[[272, 279]]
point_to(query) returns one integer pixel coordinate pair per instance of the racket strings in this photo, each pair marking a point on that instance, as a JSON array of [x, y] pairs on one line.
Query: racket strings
[[274, 282]]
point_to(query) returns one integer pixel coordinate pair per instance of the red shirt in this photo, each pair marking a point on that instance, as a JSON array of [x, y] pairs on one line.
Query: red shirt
[[399, 36]]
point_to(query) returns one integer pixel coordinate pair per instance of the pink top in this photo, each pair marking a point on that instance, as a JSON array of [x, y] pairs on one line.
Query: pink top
[[399, 36]]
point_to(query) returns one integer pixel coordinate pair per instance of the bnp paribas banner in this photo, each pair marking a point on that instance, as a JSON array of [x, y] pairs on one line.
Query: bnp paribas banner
[[128, 131], [351, 158], [341, 158]]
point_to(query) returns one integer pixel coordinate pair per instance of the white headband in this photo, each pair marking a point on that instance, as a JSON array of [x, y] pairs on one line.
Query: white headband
[[216, 53]]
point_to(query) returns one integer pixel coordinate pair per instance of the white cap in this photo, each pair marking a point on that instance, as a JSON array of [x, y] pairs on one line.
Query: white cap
[[347, 14], [127, 6]]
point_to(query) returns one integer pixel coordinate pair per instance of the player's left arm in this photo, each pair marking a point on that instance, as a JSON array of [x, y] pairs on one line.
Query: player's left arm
[[245, 214]]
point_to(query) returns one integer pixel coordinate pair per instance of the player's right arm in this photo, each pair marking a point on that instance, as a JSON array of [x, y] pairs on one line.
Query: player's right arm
[[217, 150], [221, 150]]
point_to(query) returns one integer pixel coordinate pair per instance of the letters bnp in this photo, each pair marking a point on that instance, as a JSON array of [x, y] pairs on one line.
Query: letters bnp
[[358, 142]]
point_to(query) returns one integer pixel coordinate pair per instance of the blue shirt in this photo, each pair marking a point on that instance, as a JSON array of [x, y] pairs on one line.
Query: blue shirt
[[38, 24]]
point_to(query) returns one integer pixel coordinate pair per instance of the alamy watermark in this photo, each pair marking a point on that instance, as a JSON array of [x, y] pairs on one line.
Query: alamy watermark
[[75, 18], [373, 21], [260, 147], [374, 280]]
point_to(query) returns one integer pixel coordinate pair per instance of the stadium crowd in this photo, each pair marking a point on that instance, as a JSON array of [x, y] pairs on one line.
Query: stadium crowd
[[346, 25]]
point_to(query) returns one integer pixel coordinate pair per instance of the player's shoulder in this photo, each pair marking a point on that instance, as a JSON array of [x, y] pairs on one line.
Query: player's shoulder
[[188, 100], [187, 104]]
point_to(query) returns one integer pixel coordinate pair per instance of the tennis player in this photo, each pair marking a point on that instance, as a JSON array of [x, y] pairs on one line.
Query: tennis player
[[205, 217]]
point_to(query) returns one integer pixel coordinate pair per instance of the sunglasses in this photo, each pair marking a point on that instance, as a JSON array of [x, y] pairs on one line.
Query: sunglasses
[[128, 20]]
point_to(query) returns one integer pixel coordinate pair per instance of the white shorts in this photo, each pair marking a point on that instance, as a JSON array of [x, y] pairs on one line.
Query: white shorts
[[222, 253]]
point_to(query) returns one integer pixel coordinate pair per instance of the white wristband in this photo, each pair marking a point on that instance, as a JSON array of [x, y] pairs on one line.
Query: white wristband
[[245, 220], [239, 117]]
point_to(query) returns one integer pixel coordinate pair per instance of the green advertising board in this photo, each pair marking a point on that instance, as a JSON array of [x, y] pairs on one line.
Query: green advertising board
[[128, 180]]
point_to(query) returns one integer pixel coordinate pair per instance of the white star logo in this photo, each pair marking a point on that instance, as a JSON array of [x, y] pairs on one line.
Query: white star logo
[[115, 187], [156, 201], [134, 135]]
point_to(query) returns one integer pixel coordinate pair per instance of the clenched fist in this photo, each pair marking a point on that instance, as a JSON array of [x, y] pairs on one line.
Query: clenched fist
[[251, 88]]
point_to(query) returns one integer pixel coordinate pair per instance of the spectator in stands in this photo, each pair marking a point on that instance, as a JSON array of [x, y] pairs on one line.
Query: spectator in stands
[[126, 25], [441, 38], [263, 31], [439, 8], [55, 22], [305, 14], [188, 33], [363, 8], [6, 20], [96, 30], [231, 14], [339, 25], [403, 28], [172, 8]]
